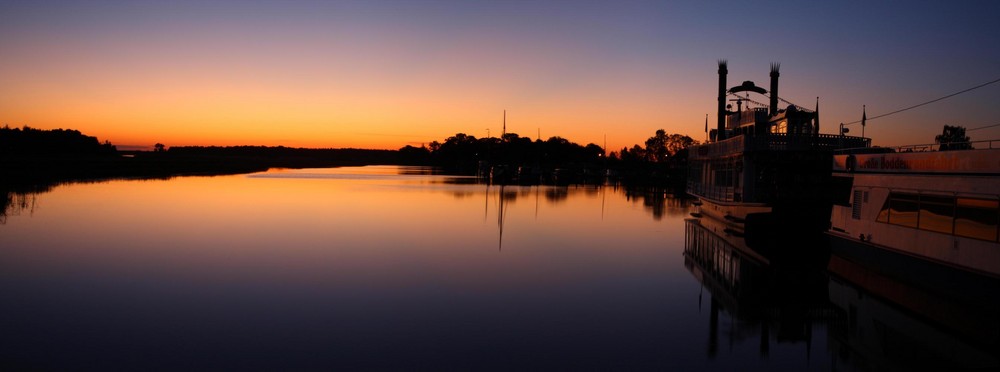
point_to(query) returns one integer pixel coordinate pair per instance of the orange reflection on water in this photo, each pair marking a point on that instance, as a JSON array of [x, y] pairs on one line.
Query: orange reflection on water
[[365, 226]]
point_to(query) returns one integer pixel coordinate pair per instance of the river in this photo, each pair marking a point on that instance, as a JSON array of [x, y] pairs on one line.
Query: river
[[387, 267]]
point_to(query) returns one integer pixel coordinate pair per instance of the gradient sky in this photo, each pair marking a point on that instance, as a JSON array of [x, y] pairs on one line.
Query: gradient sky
[[384, 74]]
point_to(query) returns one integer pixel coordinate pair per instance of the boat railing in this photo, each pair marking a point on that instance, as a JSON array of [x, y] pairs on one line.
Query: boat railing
[[925, 147], [720, 148], [783, 141], [721, 193], [778, 141]]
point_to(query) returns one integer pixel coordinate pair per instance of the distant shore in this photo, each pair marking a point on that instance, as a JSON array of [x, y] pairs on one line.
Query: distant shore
[[52, 169], [32, 157]]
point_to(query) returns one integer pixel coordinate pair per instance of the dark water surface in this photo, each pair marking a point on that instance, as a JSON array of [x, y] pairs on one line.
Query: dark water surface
[[395, 268]]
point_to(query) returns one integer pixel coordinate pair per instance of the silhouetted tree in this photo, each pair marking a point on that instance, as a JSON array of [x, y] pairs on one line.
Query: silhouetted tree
[[510, 137], [634, 154], [593, 150], [159, 147], [656, 146], [414, 155], [662, 145], [463, 152], [30, 141], [676, 142], [953, 138], [460, 150]]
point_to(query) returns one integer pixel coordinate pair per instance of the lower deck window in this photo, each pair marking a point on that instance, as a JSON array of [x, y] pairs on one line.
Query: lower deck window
[[903, 212], [968, 217], [937, 213], [976, 218]]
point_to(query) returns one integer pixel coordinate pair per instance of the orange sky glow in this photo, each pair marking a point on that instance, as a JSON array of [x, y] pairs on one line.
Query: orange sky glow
[[389, 74]]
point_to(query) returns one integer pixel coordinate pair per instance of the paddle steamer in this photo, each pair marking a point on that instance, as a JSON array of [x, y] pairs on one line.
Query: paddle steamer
[[765, 162]]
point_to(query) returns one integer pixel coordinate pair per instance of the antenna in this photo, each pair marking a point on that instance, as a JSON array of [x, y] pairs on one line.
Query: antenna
[[504, 124]]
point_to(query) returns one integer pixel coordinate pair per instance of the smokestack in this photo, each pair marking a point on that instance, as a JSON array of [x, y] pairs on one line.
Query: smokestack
[[774, 87], [721, 128]]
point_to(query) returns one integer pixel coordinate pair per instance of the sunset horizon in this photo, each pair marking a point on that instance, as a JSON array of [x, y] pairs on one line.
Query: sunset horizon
[[510, 185], [384, 75]]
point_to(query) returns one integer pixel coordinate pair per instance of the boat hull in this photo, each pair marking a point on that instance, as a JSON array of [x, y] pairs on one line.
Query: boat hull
[[735, 213], [937, 276]]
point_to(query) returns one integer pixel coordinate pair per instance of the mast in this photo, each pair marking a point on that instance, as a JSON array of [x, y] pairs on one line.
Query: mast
[[504, 125]]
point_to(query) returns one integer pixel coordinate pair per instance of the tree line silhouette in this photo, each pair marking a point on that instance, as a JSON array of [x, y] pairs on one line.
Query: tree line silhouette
[[31, 141], [467, 153], [36, 155], [464, 152]]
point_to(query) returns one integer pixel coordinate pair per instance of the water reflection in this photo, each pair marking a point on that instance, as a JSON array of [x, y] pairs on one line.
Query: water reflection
[[890, 324], [387, 268], [19, 199], [766, 302], [501, 205], [498, 199], [339, 269], [660, 202], [872, 321]]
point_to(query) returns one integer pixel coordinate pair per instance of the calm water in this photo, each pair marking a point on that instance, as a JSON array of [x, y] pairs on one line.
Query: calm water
[[394, 268]]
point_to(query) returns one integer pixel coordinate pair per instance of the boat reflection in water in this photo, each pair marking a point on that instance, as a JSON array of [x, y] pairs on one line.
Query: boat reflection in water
[[871, 321], [761, 294], [890, 324]]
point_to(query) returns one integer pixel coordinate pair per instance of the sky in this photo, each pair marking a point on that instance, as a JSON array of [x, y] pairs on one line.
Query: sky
[[385, 74]]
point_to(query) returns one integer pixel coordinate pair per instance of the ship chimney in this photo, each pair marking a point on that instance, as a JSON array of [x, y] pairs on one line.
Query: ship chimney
[[774, 88], [721, 128]]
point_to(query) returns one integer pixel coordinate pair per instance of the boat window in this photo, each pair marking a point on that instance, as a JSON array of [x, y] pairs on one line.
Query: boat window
[[780, 127], [695, 174], [724, 175], [903, 210], [968, 217], [976, 218], [883, 214], [936, 213], [977, 203]]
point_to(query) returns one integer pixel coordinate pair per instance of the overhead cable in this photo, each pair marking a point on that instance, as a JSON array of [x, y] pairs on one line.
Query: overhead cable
[[925, 103], [984, 127]]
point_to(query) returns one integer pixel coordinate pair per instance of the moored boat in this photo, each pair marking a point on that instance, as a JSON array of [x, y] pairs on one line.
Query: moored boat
[[764, 162], [936, 212]]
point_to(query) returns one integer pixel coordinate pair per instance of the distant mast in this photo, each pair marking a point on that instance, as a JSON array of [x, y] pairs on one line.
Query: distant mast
[[706, 128], [504, 135]]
